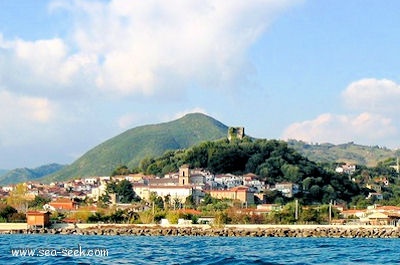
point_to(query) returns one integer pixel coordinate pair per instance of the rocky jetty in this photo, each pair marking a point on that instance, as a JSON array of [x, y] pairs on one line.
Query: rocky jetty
[[289, 231]]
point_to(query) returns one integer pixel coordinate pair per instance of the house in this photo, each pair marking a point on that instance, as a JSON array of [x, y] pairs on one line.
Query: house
[[288, 189], [348, 169], [92, 180], [7, 188], [175, 192], [269, 207], [63, 204], [353, 213], [374, 187], [386, 208], [378, 219], [228, 180], [375, 195], [251, 180], [241, 193], [38, 218], [99, 191]]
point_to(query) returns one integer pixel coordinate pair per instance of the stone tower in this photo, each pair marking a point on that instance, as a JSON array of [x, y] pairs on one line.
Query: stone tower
[[235, 133], [184, 175]]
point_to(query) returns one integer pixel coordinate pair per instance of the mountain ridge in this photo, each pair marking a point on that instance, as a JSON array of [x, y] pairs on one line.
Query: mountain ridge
[[153, 140], [344, 153], [133, 145], [28, 174]]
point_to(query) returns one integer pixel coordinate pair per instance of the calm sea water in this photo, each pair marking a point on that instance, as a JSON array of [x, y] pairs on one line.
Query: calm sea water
[[74, 249]]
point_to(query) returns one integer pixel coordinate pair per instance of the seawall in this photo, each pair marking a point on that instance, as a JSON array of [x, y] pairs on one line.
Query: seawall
[[337, 231]]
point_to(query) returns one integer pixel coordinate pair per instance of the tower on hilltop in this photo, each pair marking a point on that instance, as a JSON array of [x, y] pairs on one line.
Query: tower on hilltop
[[235, 133]]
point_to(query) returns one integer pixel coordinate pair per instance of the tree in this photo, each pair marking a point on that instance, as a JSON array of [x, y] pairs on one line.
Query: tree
[[189, 202], [207, 199], [121, 171], [310, 214], [38, 202], [17, 197], [125, 191], [156, 201], [6, 212]]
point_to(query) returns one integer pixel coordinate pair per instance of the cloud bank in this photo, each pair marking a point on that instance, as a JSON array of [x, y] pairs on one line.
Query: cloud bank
[[122, 49], [372, 104]]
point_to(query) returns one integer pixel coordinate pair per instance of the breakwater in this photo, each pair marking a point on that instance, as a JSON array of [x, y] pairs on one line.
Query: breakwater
[[231, 231]]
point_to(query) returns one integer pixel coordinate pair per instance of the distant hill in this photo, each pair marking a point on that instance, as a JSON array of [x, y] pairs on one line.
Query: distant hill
[[130, 147], [26, 174], [3, 171], [349, 152]]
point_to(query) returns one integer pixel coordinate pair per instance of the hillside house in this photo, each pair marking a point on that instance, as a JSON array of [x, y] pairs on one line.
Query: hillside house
[[288, 189], [348, 169], [228, 180]]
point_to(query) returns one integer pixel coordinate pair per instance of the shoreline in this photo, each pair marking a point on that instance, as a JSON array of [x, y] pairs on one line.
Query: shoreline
[[327, 231]]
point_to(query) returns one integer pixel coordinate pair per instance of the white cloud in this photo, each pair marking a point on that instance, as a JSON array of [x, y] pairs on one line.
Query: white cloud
[[374, 95], [42, 67], [365, 128], [108, 49], [147, 47], [373, 120], [23, 118]]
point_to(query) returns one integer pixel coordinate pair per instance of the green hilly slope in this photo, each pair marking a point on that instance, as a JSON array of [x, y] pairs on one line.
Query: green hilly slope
[[130, 147], [349, 153], [27, 174]]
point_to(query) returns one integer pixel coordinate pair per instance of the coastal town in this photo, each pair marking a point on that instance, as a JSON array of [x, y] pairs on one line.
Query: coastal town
[[78, 200]]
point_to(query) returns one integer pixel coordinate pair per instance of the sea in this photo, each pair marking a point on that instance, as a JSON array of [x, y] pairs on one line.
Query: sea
[[79, 249]]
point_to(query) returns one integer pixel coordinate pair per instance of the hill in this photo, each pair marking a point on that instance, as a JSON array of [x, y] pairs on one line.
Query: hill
[[348, 152], [271, 160], [3, 171], [130, 147], [27, 174]]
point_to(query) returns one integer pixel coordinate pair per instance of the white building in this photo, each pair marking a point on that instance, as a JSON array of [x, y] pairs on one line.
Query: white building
[[175, 192]]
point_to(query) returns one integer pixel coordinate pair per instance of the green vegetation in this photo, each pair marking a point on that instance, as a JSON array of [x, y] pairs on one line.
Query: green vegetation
[[122, 189], [273, 161], [38, 202], [348, 153]]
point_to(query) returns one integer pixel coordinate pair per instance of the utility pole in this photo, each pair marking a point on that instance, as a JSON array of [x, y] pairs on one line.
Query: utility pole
[[330, 212], [296, 213], [153, 212]]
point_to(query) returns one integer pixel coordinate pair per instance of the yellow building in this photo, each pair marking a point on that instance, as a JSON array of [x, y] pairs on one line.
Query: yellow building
[[241, 193]]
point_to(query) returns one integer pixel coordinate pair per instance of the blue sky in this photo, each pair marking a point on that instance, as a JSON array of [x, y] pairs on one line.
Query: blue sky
[[76, 73]]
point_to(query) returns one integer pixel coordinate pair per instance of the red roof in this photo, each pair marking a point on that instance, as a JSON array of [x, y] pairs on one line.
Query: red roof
[[189, 211]]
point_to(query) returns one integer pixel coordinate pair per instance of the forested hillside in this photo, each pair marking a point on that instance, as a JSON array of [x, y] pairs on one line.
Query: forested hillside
[[273, 161], [348, 153]]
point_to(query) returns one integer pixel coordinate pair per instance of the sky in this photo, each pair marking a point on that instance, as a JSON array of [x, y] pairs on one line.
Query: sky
[[76, 73]]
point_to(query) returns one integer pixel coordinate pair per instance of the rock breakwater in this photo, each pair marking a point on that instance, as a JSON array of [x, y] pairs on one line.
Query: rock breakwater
[[289, 231]]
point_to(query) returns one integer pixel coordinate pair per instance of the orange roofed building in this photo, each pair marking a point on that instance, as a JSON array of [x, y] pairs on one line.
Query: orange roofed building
[[63, 204], [38, 218]]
